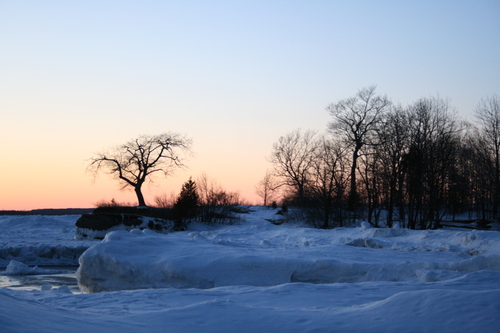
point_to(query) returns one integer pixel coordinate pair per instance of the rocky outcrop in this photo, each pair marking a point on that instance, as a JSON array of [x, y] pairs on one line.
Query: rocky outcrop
[[103, 220]]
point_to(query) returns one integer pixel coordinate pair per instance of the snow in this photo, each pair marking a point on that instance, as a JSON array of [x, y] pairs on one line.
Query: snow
[[40, 240], [256, 277], [18, 268]]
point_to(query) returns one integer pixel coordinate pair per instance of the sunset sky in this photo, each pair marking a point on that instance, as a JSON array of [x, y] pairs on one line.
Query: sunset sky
[[78, 77]]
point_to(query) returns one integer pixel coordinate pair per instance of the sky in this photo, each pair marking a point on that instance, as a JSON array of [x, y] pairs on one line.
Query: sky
[[80, 77]]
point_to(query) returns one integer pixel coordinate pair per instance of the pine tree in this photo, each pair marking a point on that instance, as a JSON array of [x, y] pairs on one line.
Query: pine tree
[[187, 204]]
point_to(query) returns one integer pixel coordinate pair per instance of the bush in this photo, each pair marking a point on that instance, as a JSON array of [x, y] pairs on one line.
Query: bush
[[112, 203]]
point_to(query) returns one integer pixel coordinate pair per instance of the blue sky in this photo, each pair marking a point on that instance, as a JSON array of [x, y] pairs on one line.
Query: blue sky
[[77, 77]]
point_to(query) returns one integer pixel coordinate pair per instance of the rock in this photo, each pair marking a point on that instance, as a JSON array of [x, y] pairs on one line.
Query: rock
[[98, 224]]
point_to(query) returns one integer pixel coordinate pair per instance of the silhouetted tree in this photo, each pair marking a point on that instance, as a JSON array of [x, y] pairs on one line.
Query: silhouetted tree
[[356, 120], [479, 168], [434, 139], [370, 185], [187, 203], [327, 181], [292, 158], [267, 188], [488, 115], [136, 161], [392, 145]]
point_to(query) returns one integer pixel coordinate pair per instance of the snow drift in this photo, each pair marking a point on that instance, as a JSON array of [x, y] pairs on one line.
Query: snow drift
[[266, 255], [285, 308]]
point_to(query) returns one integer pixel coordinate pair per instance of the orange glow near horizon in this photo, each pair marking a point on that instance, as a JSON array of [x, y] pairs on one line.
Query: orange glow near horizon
[[50, 173], [55, 190], [42, 199]]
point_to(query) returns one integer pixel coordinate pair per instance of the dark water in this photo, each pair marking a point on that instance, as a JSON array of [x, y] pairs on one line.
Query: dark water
[[34, 282]]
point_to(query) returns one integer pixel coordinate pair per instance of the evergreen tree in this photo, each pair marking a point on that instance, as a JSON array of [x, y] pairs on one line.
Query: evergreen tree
[[187, 204]]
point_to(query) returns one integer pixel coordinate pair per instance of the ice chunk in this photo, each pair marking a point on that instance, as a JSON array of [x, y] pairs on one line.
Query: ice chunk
[[46, 287], [367, 242], [18, 268], [365, 225]]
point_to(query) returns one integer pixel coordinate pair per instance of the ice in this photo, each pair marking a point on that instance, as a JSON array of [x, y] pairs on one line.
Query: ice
[[18, 268], [40, 240], [258, 254]]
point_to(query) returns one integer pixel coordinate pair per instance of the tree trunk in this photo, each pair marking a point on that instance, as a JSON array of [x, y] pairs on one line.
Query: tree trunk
[[352, 201], [497, 181], [327, 208], [140, 196]]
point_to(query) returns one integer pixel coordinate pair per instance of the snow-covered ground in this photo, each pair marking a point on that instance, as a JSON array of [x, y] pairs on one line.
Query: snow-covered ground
[[253, 277], [40, 240]]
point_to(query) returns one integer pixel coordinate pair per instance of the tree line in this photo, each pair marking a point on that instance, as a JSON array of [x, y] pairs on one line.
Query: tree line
[[379, 161]]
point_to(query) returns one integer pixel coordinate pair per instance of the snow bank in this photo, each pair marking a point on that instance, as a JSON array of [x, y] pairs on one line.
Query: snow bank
[[18, 268], [265, 255]]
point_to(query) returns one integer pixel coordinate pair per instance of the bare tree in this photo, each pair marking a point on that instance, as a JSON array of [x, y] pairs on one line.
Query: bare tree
[[393, 145], [328, 180], [434, 139], [267, 188], [356, 120], [209, 190], [136, 161], [488, 115], [479, 169], [292, 157]]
